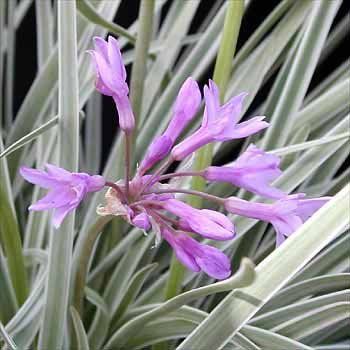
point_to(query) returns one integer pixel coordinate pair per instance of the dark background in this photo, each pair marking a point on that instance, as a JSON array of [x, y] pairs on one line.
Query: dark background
[[257, 12]]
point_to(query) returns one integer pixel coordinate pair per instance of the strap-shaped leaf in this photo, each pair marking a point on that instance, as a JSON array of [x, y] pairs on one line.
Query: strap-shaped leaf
[[300, 248]]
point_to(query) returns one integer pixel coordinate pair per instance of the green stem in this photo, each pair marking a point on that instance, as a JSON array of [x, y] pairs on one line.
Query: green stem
[[222, 72], [83, 262], [127, 162]]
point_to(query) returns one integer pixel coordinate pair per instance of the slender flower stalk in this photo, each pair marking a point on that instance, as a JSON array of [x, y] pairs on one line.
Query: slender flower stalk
[[203, 195], [127, 163], [146, 203], [180, 174]]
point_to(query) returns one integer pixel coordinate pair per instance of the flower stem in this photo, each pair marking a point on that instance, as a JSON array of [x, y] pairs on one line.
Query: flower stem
[[84, 259], [182, 173], [203, 195], [128, 138], [158, 172]]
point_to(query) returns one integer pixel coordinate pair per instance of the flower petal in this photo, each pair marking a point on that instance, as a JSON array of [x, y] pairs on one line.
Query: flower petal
[[60, 214], [214, 262], [115, 58], [142, 221], [244, 129], [158, 149], [55, 198], [58, 172], [101, 47], [38, 177]]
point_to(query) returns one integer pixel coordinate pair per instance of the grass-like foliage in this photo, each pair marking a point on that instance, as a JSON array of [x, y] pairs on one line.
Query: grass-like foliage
[[100, 283]]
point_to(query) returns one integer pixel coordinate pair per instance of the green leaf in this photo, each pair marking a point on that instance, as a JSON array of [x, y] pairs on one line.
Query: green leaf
[[243, 277], [159, 331], [82, 340], [7, 339], [117, 287], [8, 302], [270, 340], [264, 27], [300, 72], [164, 60], [93, 16], [323, 107], [289, 312], [24, 326], [61, 241], [310, 144], [315, 320], [139, 67], [133, 289], [99, 327], [93, 133], [12, 246], [336, 250], [307, 287], [29, 137], [300, 248], [114, 255]]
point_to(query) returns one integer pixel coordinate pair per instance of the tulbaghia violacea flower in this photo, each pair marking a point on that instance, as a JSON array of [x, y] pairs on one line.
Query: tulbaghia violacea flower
[[110, 79], [219, 123], [197, 257], [286, 215], [66, 190], [148, 204], [208, 223], [254, 170], [185, 108]]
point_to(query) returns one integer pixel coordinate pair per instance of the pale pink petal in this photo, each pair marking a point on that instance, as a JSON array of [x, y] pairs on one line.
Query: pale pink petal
[[60, 214], [55, 198], [115, 58], [38, 177], [101, 47], [214, 262], [244, 129]]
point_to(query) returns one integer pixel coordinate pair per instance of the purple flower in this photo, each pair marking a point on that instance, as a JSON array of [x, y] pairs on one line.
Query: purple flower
[[66, 190], [208, 223], [158, 149], [253, 171], [197, 257], [142, 221], [219, 123], [286, 215], [185, 108], [110, 78]]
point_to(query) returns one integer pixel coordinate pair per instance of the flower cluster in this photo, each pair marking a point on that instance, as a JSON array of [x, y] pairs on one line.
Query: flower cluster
[[149, 203]]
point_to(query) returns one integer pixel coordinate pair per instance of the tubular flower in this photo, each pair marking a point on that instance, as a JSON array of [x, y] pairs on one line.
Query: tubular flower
[[208, 223], [110, 79], [286, 215], [66, 190], [185, 109], [253, 171], [149, 204], [219, 123], [197, 257]]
